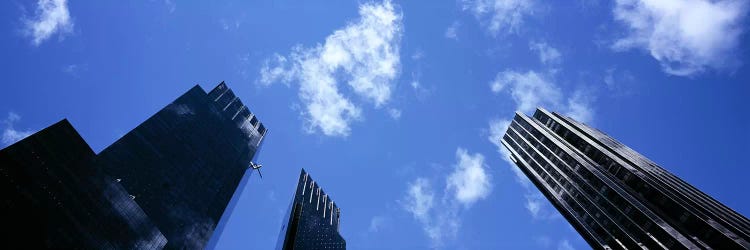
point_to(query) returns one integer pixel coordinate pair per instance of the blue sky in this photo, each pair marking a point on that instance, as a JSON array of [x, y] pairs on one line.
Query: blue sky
[[395, 108]]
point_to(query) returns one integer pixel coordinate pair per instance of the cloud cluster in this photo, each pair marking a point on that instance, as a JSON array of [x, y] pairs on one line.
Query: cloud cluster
[[500, 15], [10, 134], [50, 17], [685, 36], [364, 54], [439, 215]]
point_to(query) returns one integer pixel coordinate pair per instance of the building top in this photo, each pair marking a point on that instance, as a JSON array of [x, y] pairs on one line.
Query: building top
[[233, 108], [310, 192]]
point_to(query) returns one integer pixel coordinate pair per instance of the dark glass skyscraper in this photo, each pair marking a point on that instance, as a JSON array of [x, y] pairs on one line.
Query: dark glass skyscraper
[[54, 197], [613, 196], [183, 164], [166, 183], [312, 221]]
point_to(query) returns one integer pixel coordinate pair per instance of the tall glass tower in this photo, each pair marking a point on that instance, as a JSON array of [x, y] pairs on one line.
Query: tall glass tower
[[613, 196], [53, 197], [184, 163], [312, 221], [165, 184]]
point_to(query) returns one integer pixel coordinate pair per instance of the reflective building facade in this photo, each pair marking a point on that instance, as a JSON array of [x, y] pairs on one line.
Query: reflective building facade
[[164, 184], [312, 221], [613, 196], [54, 197], [184, 163]]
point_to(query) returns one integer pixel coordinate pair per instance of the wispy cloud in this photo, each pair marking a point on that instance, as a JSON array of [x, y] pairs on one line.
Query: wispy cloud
[[50, 17], [418, 55], [500, 16], [394, 113], [364, 54], [440, 214], [171, 6], [377, 223], [75, 70], [420, 198], [565, 245], [547, 54], [533, 89], [452, 31], [685, 36], [10, 134], [528, 89], [618, 81], [439, 223]]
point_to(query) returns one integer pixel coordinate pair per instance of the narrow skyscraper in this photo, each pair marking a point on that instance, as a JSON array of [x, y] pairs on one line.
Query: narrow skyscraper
[[184, 163], [312, 221], [613, 196]]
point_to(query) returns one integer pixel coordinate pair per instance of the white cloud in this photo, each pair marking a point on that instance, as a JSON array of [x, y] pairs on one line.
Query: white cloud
[[531, 89], [420, 198], [11, 135], [547, 54], [685, 36], [364, 54], [394, 113], [440, 217], [534, 206], [578, 107], [452, 31], [171, 6], [439, 223], [376, 223], [50, 17], [469, 181], [500, 15]]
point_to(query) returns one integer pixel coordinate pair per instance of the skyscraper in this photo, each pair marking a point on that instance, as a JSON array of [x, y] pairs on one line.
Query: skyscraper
[[165, 184], [54, 197], [613, 196], [312, 221], [184, 163]]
